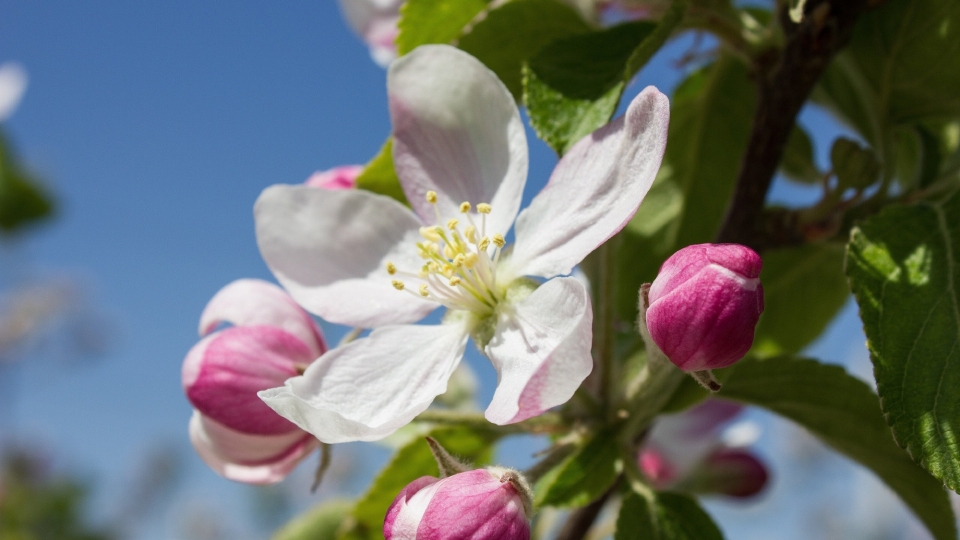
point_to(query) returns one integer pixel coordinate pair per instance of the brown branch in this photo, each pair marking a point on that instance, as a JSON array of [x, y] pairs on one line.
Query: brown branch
[[580, 520], [784, 82]]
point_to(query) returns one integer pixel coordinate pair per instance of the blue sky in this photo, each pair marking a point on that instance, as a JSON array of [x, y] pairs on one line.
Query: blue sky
[[157, 125]]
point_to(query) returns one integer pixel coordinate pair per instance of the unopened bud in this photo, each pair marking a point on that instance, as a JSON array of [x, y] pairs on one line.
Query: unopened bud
[[855, 167], [482, 504], [704, 305], [736, 473]]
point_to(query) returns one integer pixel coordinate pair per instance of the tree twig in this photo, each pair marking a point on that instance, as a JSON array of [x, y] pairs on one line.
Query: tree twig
[[784, 82], [581, 519]]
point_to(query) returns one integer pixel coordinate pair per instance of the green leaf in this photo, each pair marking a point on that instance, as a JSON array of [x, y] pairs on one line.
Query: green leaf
[[409, 463], [516, 31], [903, 266], [670, 516], [710, 120], [803, 290], [583, 476], [845, 414], [434, 21], [379, 176], [320, 523], [797, 163], [22, 199]]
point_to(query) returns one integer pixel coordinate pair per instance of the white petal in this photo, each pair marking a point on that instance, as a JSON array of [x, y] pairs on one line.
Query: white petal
[[594, 190], [329, 249], [368, 389], [362, 14], [13, 82], [254, 459], [457, 132], [541, 349], [247, 302]]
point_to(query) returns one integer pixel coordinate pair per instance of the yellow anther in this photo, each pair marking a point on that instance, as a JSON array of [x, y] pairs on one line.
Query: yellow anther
[[459, 260], [470, 233], [471, 259], [423, 290], [498, 240], [447, 270], [454, 281], [432, 197], [391, 268], [398, 285], [448, 252], [433, 267], [424, 271], [464, 207], [484, 208], [430, 233], [452, 224], [484, 244]]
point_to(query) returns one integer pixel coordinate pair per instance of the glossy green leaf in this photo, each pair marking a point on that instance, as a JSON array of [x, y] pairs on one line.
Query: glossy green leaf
[[409, 463], [379, 176], [903, 266], [671, 516], [710, 120], [583, 476], [803, 289], [22, 199], [843, 412], [434, 21], [516, 31], [320, 523]]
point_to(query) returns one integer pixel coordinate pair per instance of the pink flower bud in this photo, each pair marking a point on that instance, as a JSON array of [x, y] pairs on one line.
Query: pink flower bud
[[482, 504], [736, 473], [271, 340], [344, 177], [705, 304]]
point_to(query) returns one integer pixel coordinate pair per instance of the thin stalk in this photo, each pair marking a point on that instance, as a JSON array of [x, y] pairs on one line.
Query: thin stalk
[[603, 324]]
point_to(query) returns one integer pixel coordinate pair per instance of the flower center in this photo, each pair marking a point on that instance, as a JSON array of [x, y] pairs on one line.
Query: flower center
[[459, 270]]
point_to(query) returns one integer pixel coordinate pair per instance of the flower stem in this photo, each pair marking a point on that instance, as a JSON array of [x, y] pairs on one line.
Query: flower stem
[[603, 324]]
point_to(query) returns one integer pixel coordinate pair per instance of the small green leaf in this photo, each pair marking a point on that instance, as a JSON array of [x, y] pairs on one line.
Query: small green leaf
[[409, 463], [582, 477], [903, 266], [803, 289], [516, 31], [855, 166], [845, 414], [320, 523], [797, 163], [434, 21], [671, 516], [379, 176], [22, 199]]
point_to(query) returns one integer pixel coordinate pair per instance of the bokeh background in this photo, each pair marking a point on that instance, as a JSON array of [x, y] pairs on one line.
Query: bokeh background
[[155, 126]]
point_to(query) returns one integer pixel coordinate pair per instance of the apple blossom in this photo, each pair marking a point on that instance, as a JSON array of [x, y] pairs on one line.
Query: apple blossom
[[272, 339], [705, 304], [700, 451], [365, 260], [375, 21], [343, 177], [482, 504]]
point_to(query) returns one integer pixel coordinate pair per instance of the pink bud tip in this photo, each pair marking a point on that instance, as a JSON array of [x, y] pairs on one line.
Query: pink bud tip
[[344, 177], [477, 505], [705, 304]]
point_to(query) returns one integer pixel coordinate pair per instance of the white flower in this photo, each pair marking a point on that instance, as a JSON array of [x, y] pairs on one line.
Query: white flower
[[375, 21], [13, 82], [461, 155]]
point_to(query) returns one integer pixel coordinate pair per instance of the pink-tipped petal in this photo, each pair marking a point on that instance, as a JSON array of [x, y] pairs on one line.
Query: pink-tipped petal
[[474, 505], [373, 386], [376, 22], [457, 132], [541, 350], [253, 459], [223, 373], [247, 302], [344, 177], [404, 515], [329, 249], [594, 190]]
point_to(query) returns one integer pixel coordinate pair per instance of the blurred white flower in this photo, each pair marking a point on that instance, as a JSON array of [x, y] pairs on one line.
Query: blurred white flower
[[13, 82]]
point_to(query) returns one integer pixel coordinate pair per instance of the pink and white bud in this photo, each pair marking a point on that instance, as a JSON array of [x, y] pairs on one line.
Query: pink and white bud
[[704, 305], [344, 177], [482, 504], [271, 340]]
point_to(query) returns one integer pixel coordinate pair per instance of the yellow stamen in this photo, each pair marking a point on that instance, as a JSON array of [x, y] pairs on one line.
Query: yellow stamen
[[430, 233], [459, 260], [447, 270], [464, 207], [432, 197], [423, 290], [448, 252], [484, 208], [454, 281], [471, 259], [452, 224], [470, 233], [398, 285], [498, 240], [484, 244], [391, 268]]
